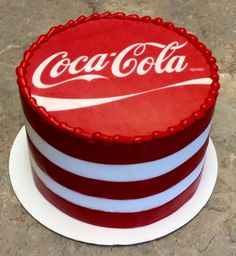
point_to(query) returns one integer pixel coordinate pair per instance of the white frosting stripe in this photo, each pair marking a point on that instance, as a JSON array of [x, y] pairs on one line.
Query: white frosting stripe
[[117, 173], [110, 205]]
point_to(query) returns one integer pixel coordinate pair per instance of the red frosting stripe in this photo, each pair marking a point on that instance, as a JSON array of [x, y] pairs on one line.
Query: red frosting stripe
[[117, 190], [116, 220], [114, 153]]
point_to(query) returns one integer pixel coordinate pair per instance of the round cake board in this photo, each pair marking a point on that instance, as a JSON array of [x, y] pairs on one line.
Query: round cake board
[[57, 221]]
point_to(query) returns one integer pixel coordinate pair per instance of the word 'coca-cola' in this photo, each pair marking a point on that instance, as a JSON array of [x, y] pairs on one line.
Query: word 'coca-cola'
[[121, 66]]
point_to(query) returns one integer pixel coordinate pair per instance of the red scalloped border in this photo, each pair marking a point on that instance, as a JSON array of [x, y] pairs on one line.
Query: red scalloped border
[[98, 136]]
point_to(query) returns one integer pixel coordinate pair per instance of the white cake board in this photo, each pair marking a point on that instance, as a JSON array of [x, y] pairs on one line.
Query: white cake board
[[52, 218]]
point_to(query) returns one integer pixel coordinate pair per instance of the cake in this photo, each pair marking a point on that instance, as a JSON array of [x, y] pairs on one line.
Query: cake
[[118, 112]]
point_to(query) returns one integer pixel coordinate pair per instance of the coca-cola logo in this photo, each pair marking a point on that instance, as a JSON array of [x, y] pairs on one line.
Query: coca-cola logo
[[131, 60], [89, 68]]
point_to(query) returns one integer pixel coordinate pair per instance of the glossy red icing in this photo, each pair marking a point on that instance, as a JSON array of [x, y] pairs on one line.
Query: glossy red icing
[[147, 119], [116, 220], [117, 190]]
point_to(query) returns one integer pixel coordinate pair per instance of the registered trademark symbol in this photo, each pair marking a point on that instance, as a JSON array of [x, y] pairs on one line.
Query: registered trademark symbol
[[197, 69]]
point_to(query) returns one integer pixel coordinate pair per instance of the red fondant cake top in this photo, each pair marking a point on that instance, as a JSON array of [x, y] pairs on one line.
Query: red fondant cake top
[[112, 74]]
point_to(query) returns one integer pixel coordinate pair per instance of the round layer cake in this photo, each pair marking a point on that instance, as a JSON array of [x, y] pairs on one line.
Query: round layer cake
[[118, 112]]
